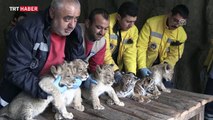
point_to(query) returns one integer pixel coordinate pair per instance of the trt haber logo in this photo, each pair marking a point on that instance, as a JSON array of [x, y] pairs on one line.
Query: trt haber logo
[[24, 8], [14, 8]]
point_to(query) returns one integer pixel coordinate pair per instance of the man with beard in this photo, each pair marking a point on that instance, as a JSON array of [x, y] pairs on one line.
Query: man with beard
[[161, 40], [93, 31], [38, 42], [122, 39], [94, 42]]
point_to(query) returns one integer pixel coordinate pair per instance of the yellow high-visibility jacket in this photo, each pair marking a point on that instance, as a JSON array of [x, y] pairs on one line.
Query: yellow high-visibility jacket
[[209, 59], [127, 51], [156, 39]]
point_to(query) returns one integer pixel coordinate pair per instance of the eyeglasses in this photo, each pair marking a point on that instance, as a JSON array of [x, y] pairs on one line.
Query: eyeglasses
[[179, 22], [182, 22]]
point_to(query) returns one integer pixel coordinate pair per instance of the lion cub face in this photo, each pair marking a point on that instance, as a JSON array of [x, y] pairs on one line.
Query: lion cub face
[[78, 68], [63, 71], [128, 82], [105, 74], [168, 72], [69, 71]]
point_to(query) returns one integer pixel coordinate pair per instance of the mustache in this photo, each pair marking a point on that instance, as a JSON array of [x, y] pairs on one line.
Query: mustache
[[70, 28], [99, 34], [174, 26]]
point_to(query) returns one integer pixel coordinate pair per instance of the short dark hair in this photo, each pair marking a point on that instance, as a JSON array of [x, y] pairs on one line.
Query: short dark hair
[[128, 8], [181, 9], [96, 11]]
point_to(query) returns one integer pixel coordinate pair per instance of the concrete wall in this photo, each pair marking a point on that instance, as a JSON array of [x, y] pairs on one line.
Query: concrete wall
[[199, 30]]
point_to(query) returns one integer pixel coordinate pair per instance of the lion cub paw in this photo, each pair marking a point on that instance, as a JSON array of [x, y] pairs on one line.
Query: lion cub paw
[[120, 103], [58, 116], [154, 96], [110, 102], [167, 90], [68, 115], [157, 93], [147, 100], [99, 107], [79, 108]]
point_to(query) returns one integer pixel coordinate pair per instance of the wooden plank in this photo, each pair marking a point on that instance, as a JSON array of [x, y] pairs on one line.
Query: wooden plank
[[108, 112], [198, 114], [177, 104], [141, 111], [203, 98], [91, 114]]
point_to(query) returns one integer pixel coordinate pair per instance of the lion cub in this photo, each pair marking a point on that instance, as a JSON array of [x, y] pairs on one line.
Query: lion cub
[[126, 88], [152, 85], [72, 97], [104, 75], [25, 107], [160, 72]]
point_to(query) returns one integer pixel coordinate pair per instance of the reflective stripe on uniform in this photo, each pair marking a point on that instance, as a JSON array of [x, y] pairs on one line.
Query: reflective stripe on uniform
[[3, 102], [208, 116], [155, 34], [90, 55], [112, 36], [41, 46], [169, 40]]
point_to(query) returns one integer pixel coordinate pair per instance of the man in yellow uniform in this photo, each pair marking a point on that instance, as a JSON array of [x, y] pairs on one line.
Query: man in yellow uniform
[[208, 64], [122, 39], [161, 40]]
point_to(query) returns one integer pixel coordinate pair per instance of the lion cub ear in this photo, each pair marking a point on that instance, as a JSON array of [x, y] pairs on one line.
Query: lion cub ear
[[70, 64], [167, 67], [55, 70], [65, 64], [98, 69], [111, 65]]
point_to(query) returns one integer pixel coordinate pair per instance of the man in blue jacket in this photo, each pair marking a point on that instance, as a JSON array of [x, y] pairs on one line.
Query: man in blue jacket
[[38, 42]]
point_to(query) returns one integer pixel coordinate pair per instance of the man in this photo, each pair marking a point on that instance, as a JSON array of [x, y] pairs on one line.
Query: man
[[94, 43], [37, 43], [121, 40], [161, 40], [208, 64], [93, 31]]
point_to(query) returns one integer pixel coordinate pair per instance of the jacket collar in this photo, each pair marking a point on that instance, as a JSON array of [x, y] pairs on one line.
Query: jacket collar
[[47, 25], [116, 27]]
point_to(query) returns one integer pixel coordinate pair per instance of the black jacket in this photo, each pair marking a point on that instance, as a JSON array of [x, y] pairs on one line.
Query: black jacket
[[26, 55]]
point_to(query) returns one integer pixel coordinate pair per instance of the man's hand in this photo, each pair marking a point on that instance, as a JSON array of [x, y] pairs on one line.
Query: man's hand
[[77, 83], [118, 77], [144, 72], [131, 74], [89, 81], [62, 89]]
